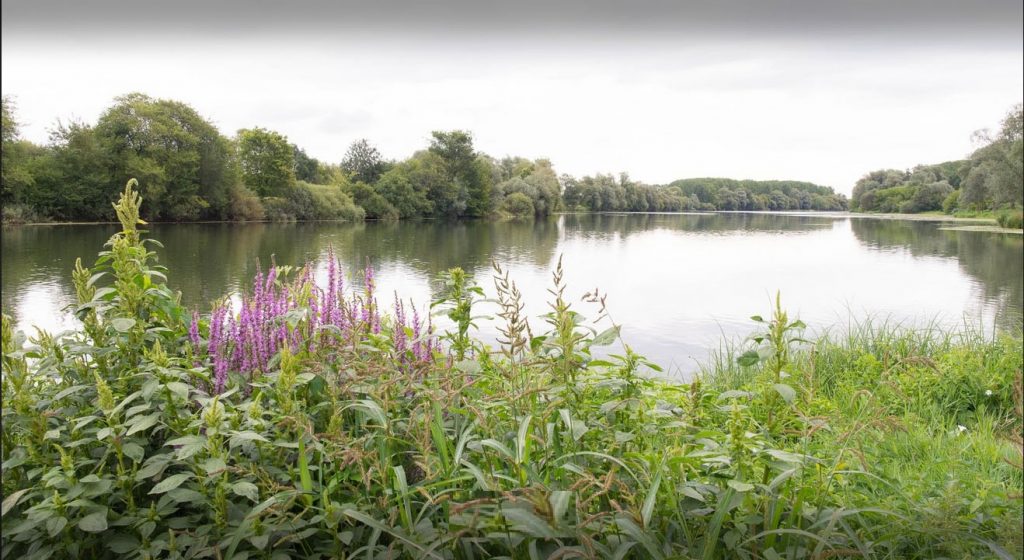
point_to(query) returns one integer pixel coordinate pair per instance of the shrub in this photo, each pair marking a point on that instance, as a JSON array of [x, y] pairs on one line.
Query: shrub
[[277, 209], [1013, 219], [14, 214], [518, 205], [331, 203], [951, 202], [376, 206], [245, 205]]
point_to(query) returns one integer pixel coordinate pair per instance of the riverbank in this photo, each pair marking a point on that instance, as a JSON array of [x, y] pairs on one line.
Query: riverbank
[[315, 422]]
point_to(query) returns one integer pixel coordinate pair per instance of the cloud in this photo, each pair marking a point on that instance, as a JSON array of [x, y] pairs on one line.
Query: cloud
[[565, 19], [592, 93]]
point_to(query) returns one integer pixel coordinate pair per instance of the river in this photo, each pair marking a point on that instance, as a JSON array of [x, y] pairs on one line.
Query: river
[[679, 284]]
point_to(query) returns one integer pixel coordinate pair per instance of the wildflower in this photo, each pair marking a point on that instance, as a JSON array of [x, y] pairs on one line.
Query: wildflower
[[988, 393]]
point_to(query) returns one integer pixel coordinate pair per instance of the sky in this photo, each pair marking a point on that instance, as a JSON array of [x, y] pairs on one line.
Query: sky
[[813, 90]]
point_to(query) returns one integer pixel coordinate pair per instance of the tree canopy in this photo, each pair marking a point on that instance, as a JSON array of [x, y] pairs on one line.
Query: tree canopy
[[989, 179], [188, 170]]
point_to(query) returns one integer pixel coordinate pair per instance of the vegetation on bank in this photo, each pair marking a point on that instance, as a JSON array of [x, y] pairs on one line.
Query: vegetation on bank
[[324, 422], [190, 171], [605, 193], [990, 181]]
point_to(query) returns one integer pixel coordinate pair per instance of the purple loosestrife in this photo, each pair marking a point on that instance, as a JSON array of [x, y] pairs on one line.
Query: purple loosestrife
[[331, 294], [246, 341], [193, 336], [218, 349], [398, 335]]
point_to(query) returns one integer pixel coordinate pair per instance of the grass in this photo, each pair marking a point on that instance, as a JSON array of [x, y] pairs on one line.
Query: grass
[[312, 422], [935, 414]]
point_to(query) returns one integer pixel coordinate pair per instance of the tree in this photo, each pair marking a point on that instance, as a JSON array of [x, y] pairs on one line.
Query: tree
[[183, 163], [267, 162], [467, 172], [16, 178], [306, 168], [363, 162], [397, 188]]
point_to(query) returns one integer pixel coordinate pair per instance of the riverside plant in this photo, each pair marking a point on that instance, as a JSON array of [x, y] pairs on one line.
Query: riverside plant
[[307, 422]]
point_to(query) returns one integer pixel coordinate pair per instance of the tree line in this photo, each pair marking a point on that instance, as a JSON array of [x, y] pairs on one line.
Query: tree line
[[188, 171], [989, 179]]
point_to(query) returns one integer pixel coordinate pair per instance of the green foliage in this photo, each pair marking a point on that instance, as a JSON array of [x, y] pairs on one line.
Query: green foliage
[[467, 173], [1012, 219], [363, 162], [398, 189], [114, 446], [330, 202], [518, 205], [191, 172], [245, 205], [991, 178], [952, 202], [183, 161], [267, 162], [376, 206], [306, 168]]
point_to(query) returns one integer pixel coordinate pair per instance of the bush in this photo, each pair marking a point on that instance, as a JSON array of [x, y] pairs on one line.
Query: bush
[[245, 205], [376, 206], [1013, 219], [15, 214], [951, 202], [518, 205], [331, 203]]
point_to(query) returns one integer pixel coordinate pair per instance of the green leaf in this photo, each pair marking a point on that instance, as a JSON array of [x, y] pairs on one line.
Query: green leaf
[[179, 389], [788, 393], [735, 395], [523, 440], [180, 495], [94, 522], [134, 451], [214, 464], [499, 447], [123, 543], [559, 500], [749, 358], [246, 489], [607, 337], [170, 483], [693, 493], [629, 527], [649, 502], [70, 391], [12, 500], [623, 437], [740, 486], [123, 324], [528, 523], [140, 423], [55, 525]]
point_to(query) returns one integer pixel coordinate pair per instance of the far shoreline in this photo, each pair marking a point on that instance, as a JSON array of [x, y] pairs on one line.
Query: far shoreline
[[974, 224]]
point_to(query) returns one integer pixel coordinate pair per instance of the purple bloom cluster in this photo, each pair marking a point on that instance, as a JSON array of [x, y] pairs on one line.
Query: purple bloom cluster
[[193, 336], [246, 341]]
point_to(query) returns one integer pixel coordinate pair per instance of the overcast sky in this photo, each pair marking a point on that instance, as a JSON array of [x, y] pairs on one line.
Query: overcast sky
[[762, 89]]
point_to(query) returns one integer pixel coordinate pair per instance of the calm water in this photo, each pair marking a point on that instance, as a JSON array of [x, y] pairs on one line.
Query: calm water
[[677, 282]]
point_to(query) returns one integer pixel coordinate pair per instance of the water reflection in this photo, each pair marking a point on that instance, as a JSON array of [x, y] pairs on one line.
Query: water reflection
[[678, 282], [994, 260]]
